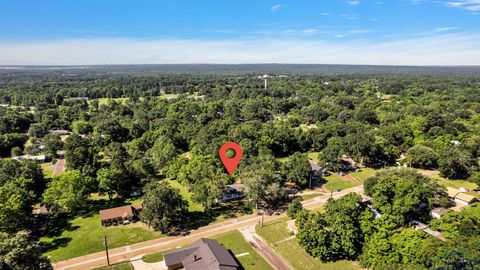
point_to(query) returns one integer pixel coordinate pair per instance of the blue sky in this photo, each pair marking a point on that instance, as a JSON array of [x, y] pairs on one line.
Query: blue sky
[[404, 32]]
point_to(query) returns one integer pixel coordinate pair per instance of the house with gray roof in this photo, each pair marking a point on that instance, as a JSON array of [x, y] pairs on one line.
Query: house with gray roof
[[203, 254]]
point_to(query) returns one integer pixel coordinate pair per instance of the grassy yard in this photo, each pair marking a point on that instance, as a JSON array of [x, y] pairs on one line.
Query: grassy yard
[[313, 156], [84, 235], [120, 266], [335, 182], [234, 242], [364, 174], [456, 184], [103, 101], [192, 206], [47, 169], [276, 233]]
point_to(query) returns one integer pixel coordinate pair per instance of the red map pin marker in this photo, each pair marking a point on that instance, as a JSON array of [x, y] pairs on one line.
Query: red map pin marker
[[230, 163]]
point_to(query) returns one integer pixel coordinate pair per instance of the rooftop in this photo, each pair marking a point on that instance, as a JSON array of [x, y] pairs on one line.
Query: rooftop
[[203, 254], [123, 212]]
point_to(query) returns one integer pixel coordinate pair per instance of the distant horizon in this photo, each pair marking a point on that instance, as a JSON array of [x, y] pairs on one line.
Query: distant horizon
[[341, 32], [232, 64]]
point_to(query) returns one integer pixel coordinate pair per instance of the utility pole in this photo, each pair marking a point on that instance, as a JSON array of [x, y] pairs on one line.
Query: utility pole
[[310, 180], [106, 250], [263, 215]]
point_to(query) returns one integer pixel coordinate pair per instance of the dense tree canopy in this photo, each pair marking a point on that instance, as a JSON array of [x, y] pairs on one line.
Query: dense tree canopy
[[404, 194]]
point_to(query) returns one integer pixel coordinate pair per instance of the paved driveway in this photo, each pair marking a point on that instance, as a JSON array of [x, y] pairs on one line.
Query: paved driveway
[[139, 264]]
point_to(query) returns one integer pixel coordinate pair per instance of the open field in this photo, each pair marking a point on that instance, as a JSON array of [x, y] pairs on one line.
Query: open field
[[234, 242], [276, 234]]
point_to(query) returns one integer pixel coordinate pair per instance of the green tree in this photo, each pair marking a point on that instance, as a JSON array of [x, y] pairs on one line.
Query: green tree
[[82, 127], [67, 193], [18, 252], [297, 169], [53, 143], [80, 154], [330, 156], [16, 201], [294, 208], [109, 181], [337, 233], [404, 194], [16, 151], [163, 207], [456, 164], [208, 190], [421, 156], [163, 152]]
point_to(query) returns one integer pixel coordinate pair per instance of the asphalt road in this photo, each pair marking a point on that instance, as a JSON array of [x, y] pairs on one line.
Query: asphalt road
[[125, 253]]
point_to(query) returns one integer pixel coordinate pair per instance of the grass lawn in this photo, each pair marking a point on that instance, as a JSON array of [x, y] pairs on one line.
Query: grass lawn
[[103, 101], [335, 182], [47, 169], [168, 96], [235, 242], [120, 266], [154, 257], [456, 184], [192, 206], [275, 233], [85, 235], [313, 156], [364, 174]]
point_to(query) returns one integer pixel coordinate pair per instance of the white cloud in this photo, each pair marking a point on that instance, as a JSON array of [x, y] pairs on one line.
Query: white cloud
[[472, 5], [275, 8], [439, 49], [353, 2], [444, 29]]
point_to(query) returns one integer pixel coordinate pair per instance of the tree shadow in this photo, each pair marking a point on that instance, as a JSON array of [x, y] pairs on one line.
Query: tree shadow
[[55, 244], [56, 225], [240, 266]]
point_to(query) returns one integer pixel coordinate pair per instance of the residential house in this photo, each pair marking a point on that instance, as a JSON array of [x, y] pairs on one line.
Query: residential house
[[232, 192], [459, 197], [60, 132], [40, 158], [201, 255], [120, 215], [317, 170]]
